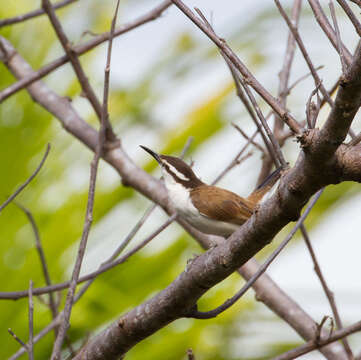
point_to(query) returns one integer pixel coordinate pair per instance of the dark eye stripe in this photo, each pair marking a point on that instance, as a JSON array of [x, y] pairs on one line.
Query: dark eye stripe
[[186, 183], [189, 180]]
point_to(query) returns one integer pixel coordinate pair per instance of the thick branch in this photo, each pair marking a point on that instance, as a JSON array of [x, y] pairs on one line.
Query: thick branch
[[349, 162], [347, 103]]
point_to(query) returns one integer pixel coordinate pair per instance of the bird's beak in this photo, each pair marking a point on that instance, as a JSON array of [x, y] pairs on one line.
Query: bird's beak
[[154, 154]]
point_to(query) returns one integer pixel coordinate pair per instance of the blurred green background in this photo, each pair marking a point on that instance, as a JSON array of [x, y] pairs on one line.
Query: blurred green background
[[168, 83]]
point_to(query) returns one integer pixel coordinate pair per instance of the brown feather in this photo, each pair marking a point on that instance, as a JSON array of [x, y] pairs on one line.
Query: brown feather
[[257, 195], [220, 204]]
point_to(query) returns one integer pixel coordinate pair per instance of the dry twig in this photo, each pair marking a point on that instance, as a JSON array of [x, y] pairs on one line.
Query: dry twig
[[338, 37], [313, 345], [52, 303], [322, 20], [23, 186], [30, 345], [355, 22], [78, 69], [304, 52], [32, 14], [326, 289]]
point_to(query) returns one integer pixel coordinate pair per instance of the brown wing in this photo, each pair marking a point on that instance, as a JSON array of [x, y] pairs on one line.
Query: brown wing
[[261, 190], [221, 204]]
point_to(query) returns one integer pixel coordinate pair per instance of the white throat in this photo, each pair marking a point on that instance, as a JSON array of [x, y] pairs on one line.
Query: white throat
[[179, 196]]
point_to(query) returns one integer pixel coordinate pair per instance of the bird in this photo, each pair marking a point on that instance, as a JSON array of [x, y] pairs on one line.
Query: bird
[[209, 209]]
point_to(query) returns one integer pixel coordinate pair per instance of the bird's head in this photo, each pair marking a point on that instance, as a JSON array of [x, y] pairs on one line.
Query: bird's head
[[175, 170]]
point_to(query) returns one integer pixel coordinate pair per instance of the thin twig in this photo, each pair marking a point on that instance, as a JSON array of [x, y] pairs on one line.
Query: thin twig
[[32, 14], [186, 147], [31, 322], [254, 143], [351, 15], [250, 79], [313, 345], [325, 25], [235, 160], [227, 304], [304, 52], [274, 150], [82, 49], [338, 37], [320, 326], [283, 90], [248, 105], [242, 96], [303, 77], [87, 89], [21, 187], [44, 265], [38, 337], [119, 249], [104, 121], [18, 339], [275, 144], [109, 265], [326, 289], [284, 75]]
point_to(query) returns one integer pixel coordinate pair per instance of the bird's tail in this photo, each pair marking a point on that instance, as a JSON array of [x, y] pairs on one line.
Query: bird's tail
[[257, 194]]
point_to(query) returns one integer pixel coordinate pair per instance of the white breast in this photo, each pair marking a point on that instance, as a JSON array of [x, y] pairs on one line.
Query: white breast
[[180, 199]]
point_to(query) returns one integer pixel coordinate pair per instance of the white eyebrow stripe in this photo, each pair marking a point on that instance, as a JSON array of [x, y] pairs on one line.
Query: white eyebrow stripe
[[176, 172]]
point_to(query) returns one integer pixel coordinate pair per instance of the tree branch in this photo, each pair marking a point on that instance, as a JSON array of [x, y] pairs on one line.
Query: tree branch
[[52, 304], [32, 14], [313, 345], [304, 52], [23, 186], [347, 103], [326, 289], [78, 69], [30, 345], [322, 20], [355, 22]]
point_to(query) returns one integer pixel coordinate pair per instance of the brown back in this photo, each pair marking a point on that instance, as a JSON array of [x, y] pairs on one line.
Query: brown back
[[220, 204]]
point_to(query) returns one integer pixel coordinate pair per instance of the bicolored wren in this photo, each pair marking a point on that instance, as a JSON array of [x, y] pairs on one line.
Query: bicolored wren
[[210, 209]]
